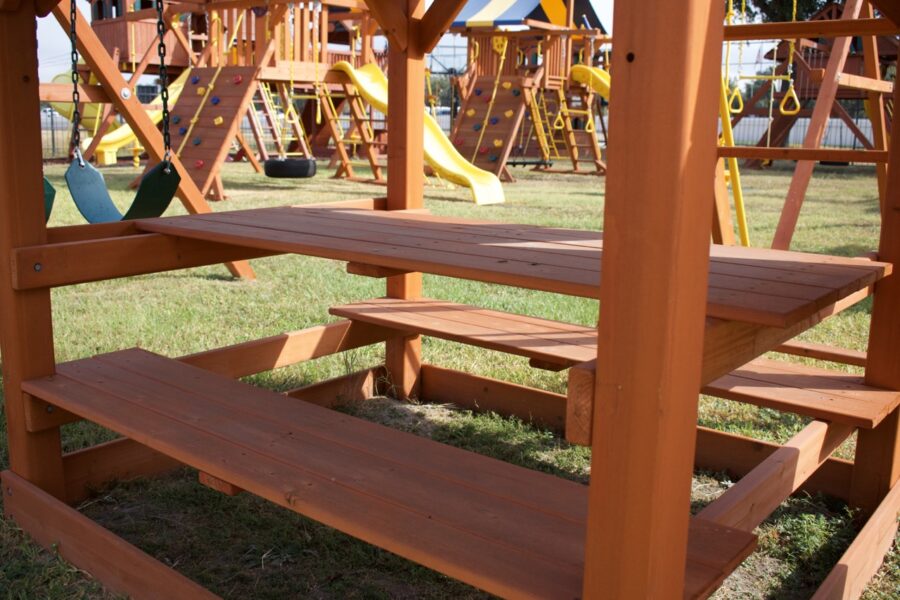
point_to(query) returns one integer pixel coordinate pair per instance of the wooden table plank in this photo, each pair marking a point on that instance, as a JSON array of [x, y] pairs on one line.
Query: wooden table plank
[[760, 286]]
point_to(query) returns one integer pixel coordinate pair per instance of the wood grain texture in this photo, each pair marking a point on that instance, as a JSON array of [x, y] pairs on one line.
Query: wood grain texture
[[120, 566], [452, 510]]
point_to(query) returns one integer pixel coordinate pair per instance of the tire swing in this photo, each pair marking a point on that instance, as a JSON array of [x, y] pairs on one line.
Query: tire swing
[[286, 167], [86, 183]]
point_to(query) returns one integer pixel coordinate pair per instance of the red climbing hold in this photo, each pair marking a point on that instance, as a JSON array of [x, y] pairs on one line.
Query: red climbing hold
[[483, 150], [198, 164], [237, 79]]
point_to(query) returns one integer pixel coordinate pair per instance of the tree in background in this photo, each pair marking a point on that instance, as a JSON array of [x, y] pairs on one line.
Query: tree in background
[[781, 10]]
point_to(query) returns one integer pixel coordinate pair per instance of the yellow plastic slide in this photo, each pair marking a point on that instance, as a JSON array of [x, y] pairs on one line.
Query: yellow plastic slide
[[440, 153], [595, 77], [122, 135]]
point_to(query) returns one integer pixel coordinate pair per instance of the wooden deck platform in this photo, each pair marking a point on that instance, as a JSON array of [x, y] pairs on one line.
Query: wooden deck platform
[[505, 529], [764, 287]]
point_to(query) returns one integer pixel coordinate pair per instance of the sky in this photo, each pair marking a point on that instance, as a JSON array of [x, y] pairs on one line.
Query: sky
[[53, 42]]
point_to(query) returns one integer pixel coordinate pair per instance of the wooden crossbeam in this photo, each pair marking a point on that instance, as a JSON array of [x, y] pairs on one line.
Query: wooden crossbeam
[[436, 21], [807, 154], [889, 8], [809, 29], [392, 16], [857, 82]]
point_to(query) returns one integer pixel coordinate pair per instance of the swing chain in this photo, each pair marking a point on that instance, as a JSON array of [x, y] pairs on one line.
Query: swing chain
[[76, 95], [164, 84]]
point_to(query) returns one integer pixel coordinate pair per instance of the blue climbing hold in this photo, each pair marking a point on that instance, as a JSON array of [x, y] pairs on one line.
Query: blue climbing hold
[[494, 120], [195, 79], [493, 158], [477, 91], [477, 126], [182, 130], [215, 100], [176, 119], [517, 93], [196, 141]]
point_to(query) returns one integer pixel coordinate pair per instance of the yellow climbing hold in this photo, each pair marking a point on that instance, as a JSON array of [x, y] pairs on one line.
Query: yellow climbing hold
[[498, 143], [201, 91], [506, 85], [218, 121], [508, 114], [470, 112]]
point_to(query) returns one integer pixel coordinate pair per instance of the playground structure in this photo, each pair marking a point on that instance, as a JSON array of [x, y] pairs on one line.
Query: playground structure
[[271, 63], [539, 85], [678, 317], [808, 77]]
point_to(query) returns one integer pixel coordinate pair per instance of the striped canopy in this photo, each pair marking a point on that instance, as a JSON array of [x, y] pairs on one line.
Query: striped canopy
[[496, 13]]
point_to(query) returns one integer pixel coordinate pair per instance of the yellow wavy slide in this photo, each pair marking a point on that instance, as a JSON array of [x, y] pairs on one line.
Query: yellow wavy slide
[[594, 77], [440, 153], [121, 135]]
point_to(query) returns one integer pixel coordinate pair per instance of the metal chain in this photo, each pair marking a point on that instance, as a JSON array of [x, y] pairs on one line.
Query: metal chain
[[163, 82], [76, 96]]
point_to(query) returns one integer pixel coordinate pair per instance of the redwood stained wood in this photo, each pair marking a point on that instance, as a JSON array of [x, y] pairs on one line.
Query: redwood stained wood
[[823, 352], [121, 567], [754, 285], [449, 509], [552, 341], [750, 501], [652, 323], [819, 393], [806, 154], [26, 333], [865, 555]]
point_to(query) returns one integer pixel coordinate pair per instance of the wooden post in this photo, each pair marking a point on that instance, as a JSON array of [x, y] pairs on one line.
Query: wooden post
[[406, 183], [818, 123], [653, 299], [26, 326], [877, 464], [872, 69]]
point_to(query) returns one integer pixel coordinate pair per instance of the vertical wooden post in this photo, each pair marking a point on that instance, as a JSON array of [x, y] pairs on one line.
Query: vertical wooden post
[[406, 182], [26, 331], [653, 299], [877, 464], [872, 68]]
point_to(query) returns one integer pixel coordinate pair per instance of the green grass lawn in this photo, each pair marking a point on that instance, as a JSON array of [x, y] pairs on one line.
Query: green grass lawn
[[244, 547]]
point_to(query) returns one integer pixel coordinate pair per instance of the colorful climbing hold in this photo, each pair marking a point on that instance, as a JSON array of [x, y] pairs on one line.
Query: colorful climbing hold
[[517, 93], [477, 91], [201, 91], [196, 141], [218, 121], [176, 119], [195, 79], [477, 126], [509, 114], [215, 100], [483, 150], [506, 85], [494, 120], [493, 158], [458, 141], [487, 99], [182, 130], [198, 164], [470, 112], [237, 79], [498, 143]]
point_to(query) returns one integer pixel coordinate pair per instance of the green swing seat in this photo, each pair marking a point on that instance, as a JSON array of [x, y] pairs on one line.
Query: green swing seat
[[89, 192]]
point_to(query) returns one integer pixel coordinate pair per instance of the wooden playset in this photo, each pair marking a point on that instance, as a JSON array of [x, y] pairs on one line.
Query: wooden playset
[[678, 316], [519, 91]]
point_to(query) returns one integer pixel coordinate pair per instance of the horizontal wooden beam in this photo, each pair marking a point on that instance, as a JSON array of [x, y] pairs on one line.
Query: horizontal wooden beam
[[810, 29], [338, 391], [70, 263], [355, 268], [121, 567], [218, 485], [87, 470], [865, 555], [824, 154], [278, 351], [857, 82], [482, 394], [62, 92], [822, 352], [750, 501]]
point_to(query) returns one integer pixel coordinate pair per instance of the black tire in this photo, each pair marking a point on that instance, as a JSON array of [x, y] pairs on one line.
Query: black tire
[[291, 168]]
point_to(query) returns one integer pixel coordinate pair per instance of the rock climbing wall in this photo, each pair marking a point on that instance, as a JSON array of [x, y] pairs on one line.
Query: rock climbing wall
[[500, 130], [206, 119]]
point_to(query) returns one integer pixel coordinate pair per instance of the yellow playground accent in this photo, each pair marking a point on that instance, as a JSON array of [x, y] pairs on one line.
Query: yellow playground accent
[[594, 77], [118, 136], [440, 153]]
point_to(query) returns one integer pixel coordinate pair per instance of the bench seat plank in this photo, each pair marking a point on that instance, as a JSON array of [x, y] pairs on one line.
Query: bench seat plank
[[511, 531]]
